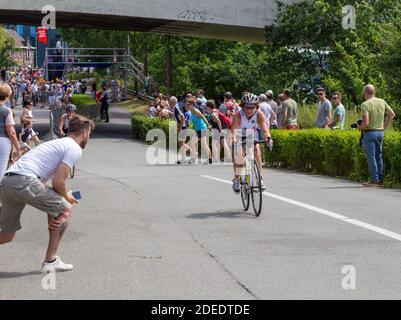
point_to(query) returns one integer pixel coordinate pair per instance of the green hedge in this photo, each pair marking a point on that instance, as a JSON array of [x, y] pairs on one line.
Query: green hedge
[[333, 153], [326, 152], [82, 100], [142, 124]]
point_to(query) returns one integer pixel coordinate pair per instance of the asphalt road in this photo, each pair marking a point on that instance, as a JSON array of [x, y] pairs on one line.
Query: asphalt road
[[179, 232]]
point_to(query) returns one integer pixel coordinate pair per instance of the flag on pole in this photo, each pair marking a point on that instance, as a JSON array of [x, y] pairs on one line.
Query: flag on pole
[[42, 36]]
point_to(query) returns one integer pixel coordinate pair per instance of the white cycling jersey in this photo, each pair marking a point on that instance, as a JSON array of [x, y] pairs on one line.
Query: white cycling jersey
[[251, 123], [249, 127]]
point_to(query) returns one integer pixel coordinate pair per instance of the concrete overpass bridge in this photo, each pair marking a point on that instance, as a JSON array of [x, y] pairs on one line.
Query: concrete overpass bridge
[[216, 19]]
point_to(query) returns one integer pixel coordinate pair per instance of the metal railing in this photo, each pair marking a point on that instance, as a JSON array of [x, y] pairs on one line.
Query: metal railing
[[116, 58]]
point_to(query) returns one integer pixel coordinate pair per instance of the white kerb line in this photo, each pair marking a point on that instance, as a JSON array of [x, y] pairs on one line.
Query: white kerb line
[[328, 213]]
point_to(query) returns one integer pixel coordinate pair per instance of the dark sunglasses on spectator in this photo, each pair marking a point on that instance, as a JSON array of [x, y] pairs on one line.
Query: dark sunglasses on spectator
[[320, 94], [333, 98]]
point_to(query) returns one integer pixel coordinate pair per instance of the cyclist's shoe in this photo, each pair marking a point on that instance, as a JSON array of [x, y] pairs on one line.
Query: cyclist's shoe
[[236, 187], [263, 185]]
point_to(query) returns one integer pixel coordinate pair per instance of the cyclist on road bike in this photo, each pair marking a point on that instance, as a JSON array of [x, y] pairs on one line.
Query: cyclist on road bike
[[65, 119], [249, 120]]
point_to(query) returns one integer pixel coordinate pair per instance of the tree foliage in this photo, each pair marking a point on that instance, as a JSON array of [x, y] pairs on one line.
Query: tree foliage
[[354, 57], [7, 44], [306, 46]]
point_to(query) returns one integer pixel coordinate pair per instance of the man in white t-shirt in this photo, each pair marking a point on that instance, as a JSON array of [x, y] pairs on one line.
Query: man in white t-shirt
[[24, 184], [267, 110]]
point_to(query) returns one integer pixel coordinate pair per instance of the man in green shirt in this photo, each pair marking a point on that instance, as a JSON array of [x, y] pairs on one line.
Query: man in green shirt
[[290, 112], [374, 122]]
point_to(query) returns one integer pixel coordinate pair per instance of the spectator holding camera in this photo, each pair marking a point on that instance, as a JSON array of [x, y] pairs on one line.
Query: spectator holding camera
[[374, 122]]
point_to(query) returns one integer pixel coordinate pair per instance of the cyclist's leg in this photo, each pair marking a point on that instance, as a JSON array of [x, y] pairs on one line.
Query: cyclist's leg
[[238, 153]]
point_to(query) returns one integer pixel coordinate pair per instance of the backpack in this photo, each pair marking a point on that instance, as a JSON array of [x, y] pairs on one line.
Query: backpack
[[225, 120], [230, 105]]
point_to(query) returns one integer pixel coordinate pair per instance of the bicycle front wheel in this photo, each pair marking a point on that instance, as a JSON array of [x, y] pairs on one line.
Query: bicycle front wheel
[[245, 193], [256, 189]]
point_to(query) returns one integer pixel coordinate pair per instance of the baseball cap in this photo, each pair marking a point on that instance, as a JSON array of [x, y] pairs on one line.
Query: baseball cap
[[269, 93]]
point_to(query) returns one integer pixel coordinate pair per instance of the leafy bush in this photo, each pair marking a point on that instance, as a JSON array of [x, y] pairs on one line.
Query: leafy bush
[[142, 124], [83, 100], [327, 152], [333, 153]]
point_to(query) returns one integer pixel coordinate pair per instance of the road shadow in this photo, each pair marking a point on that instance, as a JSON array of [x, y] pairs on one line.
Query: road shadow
[[227, 214], [13, 275]]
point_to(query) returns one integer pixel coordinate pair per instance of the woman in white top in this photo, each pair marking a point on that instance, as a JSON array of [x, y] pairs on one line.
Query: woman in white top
[[249, 120], [27, 116], [8, 137]]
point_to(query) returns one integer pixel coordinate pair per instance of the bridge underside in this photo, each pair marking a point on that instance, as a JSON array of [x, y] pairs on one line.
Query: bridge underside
[[112, 22]]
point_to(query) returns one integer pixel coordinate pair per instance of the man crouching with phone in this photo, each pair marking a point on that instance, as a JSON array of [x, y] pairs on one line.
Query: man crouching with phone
[[24, 184]]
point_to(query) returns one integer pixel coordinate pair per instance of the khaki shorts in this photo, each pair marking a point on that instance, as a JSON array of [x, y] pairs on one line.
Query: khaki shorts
[[18, 191]]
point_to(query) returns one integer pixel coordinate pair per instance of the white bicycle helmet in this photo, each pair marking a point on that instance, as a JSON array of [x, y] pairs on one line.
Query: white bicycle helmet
[[71, 107], [250, 98]]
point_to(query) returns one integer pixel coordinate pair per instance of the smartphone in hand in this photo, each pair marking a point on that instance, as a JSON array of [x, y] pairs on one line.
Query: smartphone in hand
[[77, 195]]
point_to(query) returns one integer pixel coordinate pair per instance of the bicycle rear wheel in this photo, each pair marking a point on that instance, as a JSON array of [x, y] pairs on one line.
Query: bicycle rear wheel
[[256, 190], [245, 193]]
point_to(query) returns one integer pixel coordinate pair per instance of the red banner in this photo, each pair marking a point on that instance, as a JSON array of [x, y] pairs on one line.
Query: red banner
[[42, 35]]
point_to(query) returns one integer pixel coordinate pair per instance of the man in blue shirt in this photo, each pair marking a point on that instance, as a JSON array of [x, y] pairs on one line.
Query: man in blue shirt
[[323, 110], [339, 113]]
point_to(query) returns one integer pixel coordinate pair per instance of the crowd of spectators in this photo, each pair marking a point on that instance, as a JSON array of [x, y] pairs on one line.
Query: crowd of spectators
[[281, 111]]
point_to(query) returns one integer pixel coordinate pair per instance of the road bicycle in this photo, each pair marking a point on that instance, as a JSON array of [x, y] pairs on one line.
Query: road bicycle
[[251, 181]]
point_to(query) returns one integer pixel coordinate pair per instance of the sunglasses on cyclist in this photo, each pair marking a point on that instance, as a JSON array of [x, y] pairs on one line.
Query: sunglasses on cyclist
[[250, 107]]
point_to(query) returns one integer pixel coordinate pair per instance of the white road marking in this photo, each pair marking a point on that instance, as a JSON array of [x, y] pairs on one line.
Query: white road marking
[[328, 213]]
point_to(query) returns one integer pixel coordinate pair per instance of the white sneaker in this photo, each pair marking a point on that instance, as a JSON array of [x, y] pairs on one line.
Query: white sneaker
[[236, 187], [263, 186], [56, 266]]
